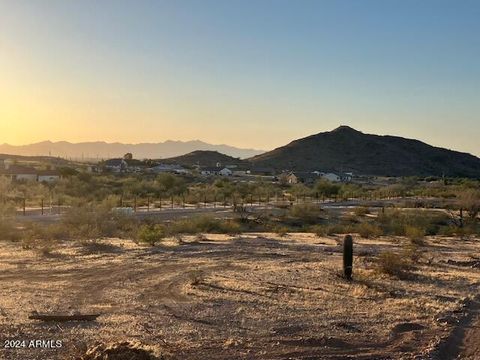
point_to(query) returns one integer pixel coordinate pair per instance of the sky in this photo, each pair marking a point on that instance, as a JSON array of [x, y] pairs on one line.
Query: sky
[[253, 74]]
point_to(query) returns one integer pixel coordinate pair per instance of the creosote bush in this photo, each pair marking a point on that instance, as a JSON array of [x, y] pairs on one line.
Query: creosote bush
[[367, 230], [151, 234], [361, 211], [393, 264], [203, 224], [8, 231], [280, 230], [308, 213], [415, 234]]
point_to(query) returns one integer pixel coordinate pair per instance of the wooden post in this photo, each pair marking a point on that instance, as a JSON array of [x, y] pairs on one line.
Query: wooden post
[[24, 205], [42, 206], [160, 207], [135, 204], [172, 202], [148, 204]]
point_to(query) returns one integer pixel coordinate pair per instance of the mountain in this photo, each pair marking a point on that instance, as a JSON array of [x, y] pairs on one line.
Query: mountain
[[103, 150], [348, 150], [204, 158]]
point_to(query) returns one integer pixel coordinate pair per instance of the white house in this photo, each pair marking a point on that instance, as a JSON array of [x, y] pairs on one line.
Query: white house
[[225, 172], [48, 176], [330, 176], [347, 177], [169, 168], [209, 171], [19, 173]]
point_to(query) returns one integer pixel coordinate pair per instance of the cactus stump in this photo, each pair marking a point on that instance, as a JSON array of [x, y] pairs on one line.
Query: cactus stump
[[348, 257]]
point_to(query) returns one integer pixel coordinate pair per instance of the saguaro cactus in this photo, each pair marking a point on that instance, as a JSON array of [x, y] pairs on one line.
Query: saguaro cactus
[[347, 257]]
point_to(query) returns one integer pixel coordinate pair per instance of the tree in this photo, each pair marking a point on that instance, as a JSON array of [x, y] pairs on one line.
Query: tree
[[326, 188], [470, 201]]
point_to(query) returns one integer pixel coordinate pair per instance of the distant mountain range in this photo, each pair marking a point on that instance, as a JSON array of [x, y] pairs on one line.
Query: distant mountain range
[[341, 150], [348, 150], [103, 150]]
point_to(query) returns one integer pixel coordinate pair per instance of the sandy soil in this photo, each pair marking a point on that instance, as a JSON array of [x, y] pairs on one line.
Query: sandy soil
[[256, 296]]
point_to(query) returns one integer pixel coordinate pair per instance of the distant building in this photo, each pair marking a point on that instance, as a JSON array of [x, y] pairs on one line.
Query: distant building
[[209, 171], [48, 176], [169, 168], [306, 177], [288, 178], [25, 173], [347, 177], [331, 177], [225, 172], [328, 176], [237, 172], [19, 173], [116, 165]]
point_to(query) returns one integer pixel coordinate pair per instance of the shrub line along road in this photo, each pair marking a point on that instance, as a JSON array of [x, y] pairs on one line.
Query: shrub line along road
[[167, 213]]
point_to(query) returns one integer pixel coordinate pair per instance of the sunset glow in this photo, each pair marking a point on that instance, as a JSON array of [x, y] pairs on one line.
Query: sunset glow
[[246, 74]]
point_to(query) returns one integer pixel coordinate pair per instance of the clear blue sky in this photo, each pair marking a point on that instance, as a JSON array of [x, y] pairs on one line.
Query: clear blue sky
[[247, 73]]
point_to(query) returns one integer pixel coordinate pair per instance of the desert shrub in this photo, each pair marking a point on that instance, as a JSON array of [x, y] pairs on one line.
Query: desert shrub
[[151, 234], [393, 264], [55, 231], [361, 211], [412, 252], [415, 234], [308, 213], [95, 222], [470, 200], [396, 222], [204, 224], [280, 230], [319, 230], [335, 229], [367, 230], [8, 231]]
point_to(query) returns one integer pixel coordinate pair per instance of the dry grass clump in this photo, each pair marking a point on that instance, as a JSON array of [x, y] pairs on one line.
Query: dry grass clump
[[122, 351], [368, 230], [332, 229], [361, 210], [95, 222], [8, 231], [393, 264], [203, 224], [398, 222], [308, 213], [280, 230], [415, 234]]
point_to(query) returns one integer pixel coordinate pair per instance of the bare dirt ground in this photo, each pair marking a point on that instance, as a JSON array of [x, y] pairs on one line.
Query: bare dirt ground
[[255, 296]]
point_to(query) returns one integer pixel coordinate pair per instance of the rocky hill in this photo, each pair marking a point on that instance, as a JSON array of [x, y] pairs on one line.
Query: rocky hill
[[204, 158], [348, 150]]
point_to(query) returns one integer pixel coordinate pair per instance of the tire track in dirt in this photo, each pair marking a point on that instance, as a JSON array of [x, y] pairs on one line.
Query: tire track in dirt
[[463, 342]]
